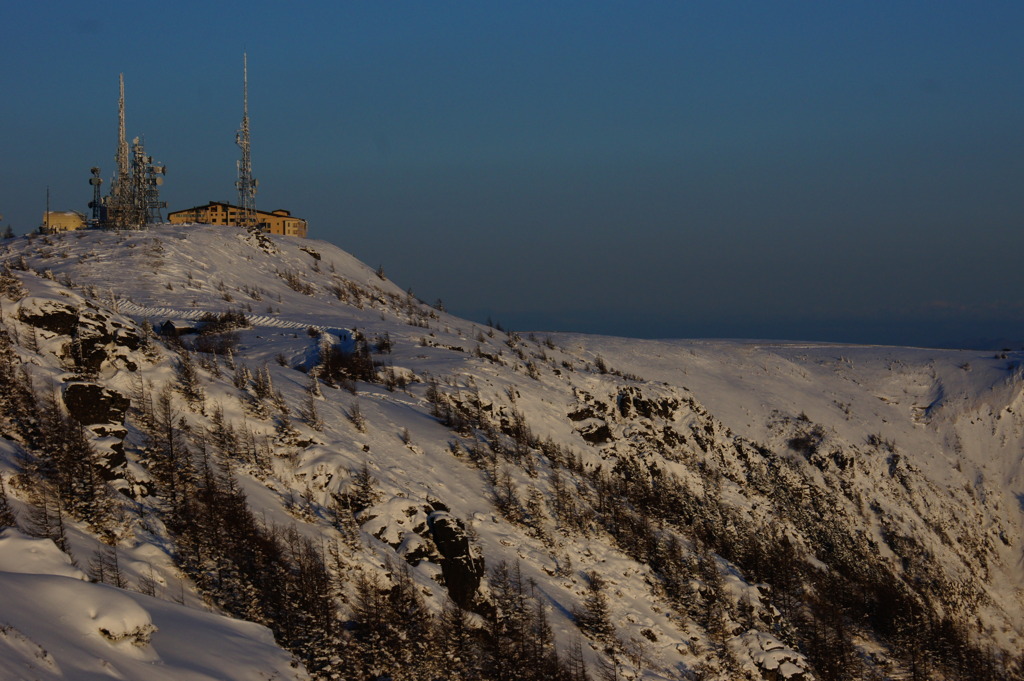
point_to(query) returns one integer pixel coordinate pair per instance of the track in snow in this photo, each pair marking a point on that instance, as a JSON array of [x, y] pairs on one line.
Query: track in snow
[[136, 310]]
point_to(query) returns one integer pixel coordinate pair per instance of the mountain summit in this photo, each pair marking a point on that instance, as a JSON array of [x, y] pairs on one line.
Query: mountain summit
[[229, 455]]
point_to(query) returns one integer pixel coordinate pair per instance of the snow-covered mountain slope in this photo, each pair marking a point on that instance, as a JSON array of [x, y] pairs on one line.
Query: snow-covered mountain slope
[[394, 490], [54, 624]]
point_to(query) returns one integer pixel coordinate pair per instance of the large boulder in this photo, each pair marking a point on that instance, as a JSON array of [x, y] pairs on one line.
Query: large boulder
[[461, 568], [92, 404]]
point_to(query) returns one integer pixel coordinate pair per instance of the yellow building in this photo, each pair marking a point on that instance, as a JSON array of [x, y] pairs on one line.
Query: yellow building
[[56, 221], [217, 213]]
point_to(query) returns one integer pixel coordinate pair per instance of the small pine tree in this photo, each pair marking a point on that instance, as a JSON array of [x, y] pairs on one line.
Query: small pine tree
[[189, 383], [576, 668], [263, 383], [506, 498], [458, 643], [168, 455], [344, 521], [7, 517], [309, 413], [372, 653], [593, 618], [10, 286], [242, 376], [313, 387], [222, 435], [411, 625], [105, 568], [46, 519], [147, 583], [356, 418], [364, 489]]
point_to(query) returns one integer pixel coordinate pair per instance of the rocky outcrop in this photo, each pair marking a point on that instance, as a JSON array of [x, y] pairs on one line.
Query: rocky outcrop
[[102, 411], [92, 404], [428, 532], [50, 315], [94, 336], [461, 568], [100, 338]]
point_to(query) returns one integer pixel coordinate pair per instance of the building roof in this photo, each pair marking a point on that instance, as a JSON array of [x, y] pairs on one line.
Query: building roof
[[276, 213]]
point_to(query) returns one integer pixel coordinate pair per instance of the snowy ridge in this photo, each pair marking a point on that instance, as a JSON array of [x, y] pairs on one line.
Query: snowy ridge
[[672, 509]]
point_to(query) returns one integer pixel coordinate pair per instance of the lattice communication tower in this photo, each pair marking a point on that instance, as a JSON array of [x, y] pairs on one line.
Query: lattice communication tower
[[246, 183], [134, 199]]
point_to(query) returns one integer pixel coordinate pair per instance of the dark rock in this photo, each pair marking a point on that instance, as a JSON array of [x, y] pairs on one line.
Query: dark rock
[[102, 412], [127, 337], [128, 364], [461, 569], [92, 404], [112, 460], [109, 430], [90, 331], [94, 337], [632, 402], [582, 414], [88, 348], [596, 434], [417, 552], [671, 438], [51, 316]]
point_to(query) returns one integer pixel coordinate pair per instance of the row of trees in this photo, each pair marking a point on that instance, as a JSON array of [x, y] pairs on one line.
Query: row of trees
[[61, 472]]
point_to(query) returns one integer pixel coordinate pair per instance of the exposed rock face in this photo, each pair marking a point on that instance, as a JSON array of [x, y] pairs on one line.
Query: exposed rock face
[[93, 404], [596, 432], [97, 337], [102, 411], [428, 532], [94, 336], [462, 570], [631, 402], [52, 316]]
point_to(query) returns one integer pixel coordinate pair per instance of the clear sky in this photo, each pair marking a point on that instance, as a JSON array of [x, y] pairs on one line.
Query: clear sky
[[847, 171]]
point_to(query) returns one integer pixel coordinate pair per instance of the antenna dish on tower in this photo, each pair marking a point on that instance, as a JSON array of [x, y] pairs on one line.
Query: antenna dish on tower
[[134, 200]]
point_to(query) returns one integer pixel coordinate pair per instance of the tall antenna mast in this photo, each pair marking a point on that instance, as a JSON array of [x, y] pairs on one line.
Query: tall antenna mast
[[246, 182], [120, 187], [148, 176], [122, 137], [98, 212]]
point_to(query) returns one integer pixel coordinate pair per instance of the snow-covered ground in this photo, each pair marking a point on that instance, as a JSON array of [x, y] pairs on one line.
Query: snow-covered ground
[[907, 445], [55, 624]]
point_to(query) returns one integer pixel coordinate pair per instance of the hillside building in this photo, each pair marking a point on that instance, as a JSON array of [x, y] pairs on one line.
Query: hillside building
[[56, 221], [217, 213]]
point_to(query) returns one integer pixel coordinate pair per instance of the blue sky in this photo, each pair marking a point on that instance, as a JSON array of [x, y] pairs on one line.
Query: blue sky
[[800, 170]]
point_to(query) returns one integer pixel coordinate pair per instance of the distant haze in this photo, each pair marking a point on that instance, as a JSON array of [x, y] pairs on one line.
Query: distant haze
[[815, 171]]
